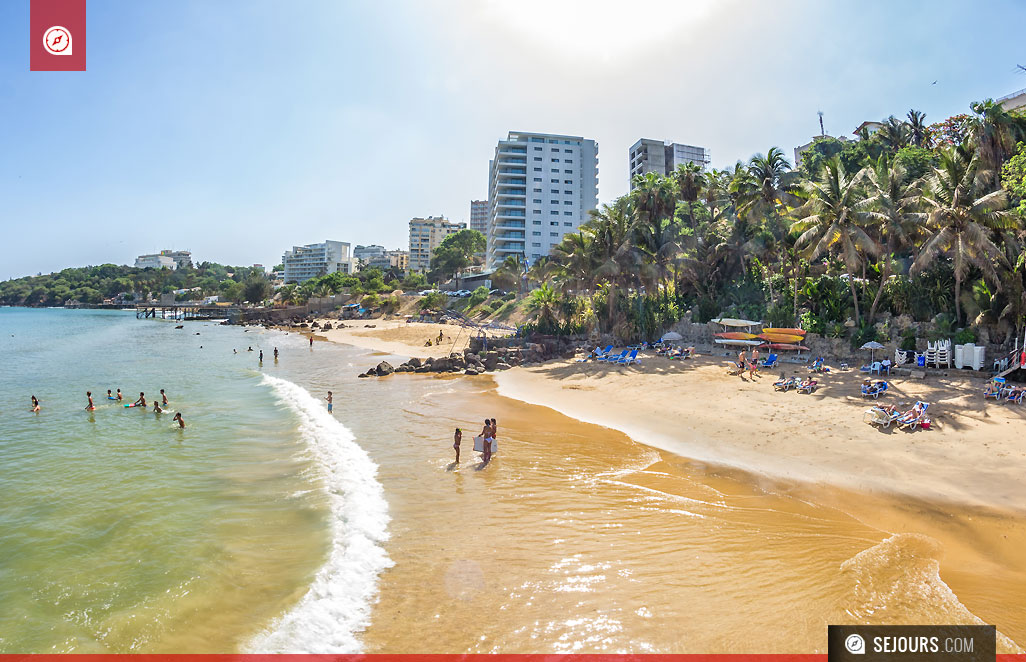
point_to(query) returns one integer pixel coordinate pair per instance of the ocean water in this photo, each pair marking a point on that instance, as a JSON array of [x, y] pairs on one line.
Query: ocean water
[[269, 524], [260, 524]]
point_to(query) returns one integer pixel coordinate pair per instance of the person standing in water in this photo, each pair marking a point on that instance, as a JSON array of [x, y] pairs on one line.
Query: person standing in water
[[119, 395], [275, 353], [35, 404], [456, 439], [329, 401], [110, 396], [486, 440], [163, 398], [261, 355], [311, 341], [178, 417], [90, 406], [141, 402], [156, 408]]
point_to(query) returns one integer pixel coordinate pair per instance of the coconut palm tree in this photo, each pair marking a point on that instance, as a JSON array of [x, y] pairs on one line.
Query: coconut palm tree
[[995, 132], [611, 226], [919, 133], [894, 134], [511, 272], [890, 208], [831, 221], [961, 219]]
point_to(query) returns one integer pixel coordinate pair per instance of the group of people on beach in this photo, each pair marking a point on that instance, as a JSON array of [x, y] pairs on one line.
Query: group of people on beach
[[489, 433], [158, 406], [744, 363]]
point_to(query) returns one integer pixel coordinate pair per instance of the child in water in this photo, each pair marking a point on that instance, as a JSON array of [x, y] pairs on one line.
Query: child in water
[[163, 398], [90, 406], [329, 401], [119, 395], [35, 404], [178, 417], [141, 402]]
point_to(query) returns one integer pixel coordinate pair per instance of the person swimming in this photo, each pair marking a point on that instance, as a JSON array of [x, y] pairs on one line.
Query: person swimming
[[156, 408], [90, 406], [141, 402], [178, 417], [163, 398], [110, 396], [35, 404], [251, 349]]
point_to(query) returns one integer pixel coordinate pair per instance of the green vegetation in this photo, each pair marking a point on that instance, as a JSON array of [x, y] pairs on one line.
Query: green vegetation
[[456, 253], [910, 220], [94, 284]]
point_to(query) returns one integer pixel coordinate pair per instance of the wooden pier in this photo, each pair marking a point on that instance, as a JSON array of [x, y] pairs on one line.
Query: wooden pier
[[186, 312]]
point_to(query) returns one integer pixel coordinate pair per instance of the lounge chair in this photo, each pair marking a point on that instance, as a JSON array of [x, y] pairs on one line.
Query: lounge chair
[[632, 358], [770, 362], [874, 390], [880, 416], [913, 417], [1015, 394], [785, 384], [609, 358], [994, 389], [807, 386]]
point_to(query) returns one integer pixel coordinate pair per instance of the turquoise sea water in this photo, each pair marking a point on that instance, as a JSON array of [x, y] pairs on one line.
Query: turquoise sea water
[[121, 532]]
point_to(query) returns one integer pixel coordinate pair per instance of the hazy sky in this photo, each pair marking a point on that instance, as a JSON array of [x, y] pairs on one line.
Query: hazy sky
[[238, 128]]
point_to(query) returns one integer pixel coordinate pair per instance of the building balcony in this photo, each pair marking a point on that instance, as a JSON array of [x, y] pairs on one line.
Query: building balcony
[[510, 213], [513, 171]]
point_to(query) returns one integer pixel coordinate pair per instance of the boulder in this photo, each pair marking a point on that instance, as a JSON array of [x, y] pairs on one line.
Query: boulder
[[384, 368], [502, 366], [440, 365], [414, 362], [491, 359], [423, 368], [471, 371], [364, 374]]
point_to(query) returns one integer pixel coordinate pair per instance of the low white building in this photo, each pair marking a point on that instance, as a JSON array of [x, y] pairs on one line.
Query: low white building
[[165, 260], [312, 260], [1013, 101]]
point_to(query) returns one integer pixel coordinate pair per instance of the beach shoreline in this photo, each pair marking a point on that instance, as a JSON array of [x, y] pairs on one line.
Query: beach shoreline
[[693, 409]]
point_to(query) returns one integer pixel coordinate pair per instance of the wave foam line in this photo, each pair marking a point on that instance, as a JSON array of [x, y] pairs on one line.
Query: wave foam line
[[338, 604]]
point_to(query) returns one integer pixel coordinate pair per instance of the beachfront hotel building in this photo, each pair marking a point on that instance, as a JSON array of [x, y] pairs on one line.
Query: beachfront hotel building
[[479, 216], [427, 234], [312, 260], [662, 158], [540, 187], [165, 260]]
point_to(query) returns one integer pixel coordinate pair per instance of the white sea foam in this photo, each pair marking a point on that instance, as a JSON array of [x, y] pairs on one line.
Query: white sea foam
[[329, 618]]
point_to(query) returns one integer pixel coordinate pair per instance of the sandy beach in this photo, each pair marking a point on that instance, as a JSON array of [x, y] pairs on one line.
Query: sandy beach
[[973, 455]]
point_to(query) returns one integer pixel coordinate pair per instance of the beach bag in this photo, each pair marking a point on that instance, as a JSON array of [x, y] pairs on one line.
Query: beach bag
[[925, 424]]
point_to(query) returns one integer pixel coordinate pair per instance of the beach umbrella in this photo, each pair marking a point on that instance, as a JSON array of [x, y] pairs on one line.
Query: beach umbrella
[[872, 346], [672, 335]]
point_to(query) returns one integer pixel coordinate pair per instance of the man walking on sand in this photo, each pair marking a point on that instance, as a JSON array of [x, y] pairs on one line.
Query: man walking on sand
[[753, 367]]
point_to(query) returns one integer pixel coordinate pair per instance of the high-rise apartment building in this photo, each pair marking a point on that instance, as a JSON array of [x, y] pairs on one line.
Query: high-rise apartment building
[[312, 260], [479, 216], [540, 186], [426, 234], [662, 158]]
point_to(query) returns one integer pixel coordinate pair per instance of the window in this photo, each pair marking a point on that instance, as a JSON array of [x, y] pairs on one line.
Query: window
[[537, 140], [568, 151], [537, 169], [569, 160], [553, 170], [568, 182], [537, 158], [554, 212], [555, 223], [554, 191], [536, 211], [553, 234], [568, 172], [536, 234], [555, 149], [535, 245], [535, 222], [553, 141], [537, 149], [568, 202], [553, 181], [553, 202], [566, 192], [537, 179], [569, 225], [568, 213], [536, 201], [555, 160]]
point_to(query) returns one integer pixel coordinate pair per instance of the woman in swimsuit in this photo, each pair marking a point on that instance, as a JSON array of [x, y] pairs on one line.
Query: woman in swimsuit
[[35, 404], [456, 439]]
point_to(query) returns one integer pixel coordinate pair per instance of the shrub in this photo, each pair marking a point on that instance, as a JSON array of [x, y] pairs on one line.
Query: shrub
[[370, 301], [435, 300], [509, 296], [965, 336], [485, 309], [908, 340], [479, 295]]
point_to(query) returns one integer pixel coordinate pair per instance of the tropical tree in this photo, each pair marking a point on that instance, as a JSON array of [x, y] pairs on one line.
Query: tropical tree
[[995, 132], [919, 132], [894, 133], [889, 206], [961, 218], [831, 221]]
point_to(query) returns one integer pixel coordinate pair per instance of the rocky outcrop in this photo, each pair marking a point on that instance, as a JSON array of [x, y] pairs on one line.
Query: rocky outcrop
[[468, 363]]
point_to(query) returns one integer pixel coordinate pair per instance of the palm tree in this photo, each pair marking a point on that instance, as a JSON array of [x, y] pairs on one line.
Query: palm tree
[[611, 228], [919, 133], [995, 132], [889, 206], [961, 218], [831, 222], [894, 134], [512, 271], [574, 259]]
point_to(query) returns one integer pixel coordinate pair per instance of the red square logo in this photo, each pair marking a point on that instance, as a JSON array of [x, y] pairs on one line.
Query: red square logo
[[58, 39]]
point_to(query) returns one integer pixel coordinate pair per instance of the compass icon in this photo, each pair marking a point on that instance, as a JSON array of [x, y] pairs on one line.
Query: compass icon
[[57, 40]]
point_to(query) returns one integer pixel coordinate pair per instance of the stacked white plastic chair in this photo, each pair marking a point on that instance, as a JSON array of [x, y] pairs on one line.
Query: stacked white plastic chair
[[941, 354], [900, 357]]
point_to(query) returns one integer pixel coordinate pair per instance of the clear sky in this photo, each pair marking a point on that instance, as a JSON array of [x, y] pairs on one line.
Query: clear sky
[[237, 128]]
